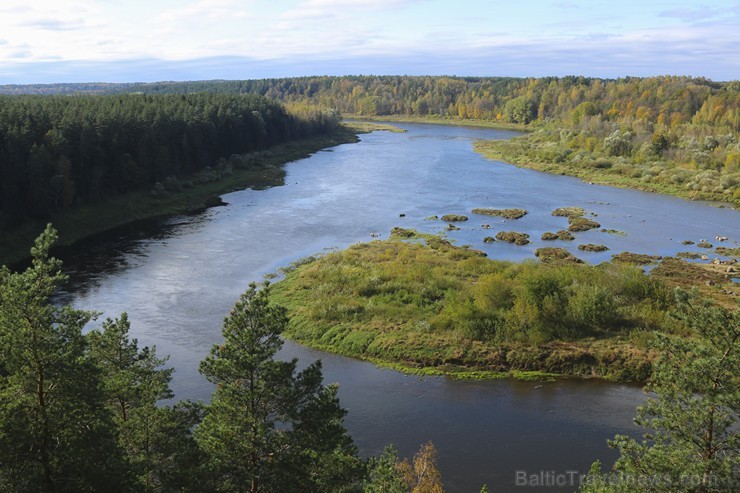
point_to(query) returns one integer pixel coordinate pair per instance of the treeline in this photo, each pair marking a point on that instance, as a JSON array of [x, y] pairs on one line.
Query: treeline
[[668, 100], [60, 151], [671, 100], [671, 134], [82, 411]]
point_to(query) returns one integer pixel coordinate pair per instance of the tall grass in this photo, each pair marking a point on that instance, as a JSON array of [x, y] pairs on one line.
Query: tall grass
[[431, 305]]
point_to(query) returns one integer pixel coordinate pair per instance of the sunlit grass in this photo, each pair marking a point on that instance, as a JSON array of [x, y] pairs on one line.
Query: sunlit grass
[[434, 308]]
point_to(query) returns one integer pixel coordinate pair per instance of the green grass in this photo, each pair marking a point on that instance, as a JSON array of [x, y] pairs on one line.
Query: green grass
[[542, 151], [454, 218], [425, 306], [728, 251], [363, 127], [437, 120], [534, 376], [87, 220], [506, 213], [636, 258]]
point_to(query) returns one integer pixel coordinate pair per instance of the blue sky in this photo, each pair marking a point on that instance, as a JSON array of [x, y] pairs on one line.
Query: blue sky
[[148, 40]]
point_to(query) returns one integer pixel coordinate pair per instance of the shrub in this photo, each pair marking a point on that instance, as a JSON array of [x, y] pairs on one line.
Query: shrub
[[581, 224], [590, 247], [513, 237], [507, 213], [454, 218]]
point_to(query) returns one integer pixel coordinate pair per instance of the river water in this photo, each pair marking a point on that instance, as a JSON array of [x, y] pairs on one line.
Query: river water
[[177, 278]]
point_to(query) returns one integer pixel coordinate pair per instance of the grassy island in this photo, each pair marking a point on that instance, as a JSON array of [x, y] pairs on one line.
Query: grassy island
[[424, 305], [505, 213]]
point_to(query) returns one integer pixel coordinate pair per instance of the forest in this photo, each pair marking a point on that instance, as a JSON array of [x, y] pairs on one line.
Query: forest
[[59, 152], [669, 134]]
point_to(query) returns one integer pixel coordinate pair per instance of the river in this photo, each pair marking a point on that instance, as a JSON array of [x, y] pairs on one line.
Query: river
[[177, 278]]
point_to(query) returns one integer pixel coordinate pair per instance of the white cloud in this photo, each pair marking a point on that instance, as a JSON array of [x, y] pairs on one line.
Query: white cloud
[[691, 15], [56, 24], [202, 10], [424, 31], [324, 9]]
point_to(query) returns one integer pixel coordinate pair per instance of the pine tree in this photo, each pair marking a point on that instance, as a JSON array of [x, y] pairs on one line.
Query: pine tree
[[156, 440], [693, 445], [270, 428], [55, 435]]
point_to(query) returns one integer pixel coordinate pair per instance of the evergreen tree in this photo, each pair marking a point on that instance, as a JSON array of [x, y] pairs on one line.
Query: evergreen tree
[[270, 428], [156, 440], [693, 445], [55, 435]]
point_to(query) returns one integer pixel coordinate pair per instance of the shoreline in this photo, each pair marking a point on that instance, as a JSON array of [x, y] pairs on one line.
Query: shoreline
[[532, 362], [491, 150], [439, 121], [89, 220]]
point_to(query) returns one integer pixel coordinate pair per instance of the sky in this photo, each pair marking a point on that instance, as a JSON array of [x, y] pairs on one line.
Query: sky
[[53, 41]]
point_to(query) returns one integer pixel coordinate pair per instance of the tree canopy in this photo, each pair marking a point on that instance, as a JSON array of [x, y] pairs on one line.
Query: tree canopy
[[692, 439], [58, 152]]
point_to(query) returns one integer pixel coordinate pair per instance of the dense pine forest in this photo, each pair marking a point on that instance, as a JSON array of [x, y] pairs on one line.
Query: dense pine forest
[[60, 151]]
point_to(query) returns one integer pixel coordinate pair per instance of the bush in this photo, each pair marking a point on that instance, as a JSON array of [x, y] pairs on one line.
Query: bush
[[454, 218], [513, 237], [506, 213], [581, 224], [171, 184]]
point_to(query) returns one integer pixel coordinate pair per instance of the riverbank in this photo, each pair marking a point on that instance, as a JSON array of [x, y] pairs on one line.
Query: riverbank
[[541, 150], [463, 122], [542, 154], [194, 194]]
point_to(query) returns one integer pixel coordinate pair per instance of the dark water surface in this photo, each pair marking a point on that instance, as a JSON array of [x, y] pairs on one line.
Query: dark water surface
[[178, 278]]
